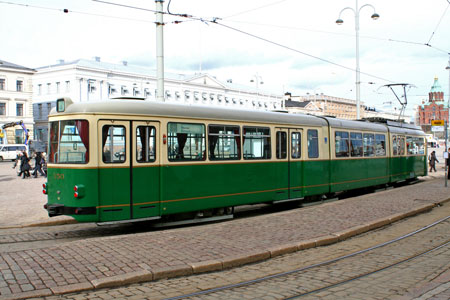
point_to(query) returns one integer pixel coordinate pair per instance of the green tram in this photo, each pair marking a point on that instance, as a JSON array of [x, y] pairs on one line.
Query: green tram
[[130, 160]]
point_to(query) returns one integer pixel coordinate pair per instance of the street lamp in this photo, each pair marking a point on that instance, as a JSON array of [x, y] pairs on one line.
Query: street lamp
[[257, 80], [339, 21]]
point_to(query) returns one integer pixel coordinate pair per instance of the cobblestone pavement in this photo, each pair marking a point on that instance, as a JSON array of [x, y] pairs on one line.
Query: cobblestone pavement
[[426, 277], [117, 260]]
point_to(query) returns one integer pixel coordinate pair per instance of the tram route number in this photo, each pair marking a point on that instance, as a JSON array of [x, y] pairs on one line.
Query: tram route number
[[58, 176]]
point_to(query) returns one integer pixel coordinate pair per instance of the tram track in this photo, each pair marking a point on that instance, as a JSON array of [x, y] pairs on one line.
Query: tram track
[[299, 291]]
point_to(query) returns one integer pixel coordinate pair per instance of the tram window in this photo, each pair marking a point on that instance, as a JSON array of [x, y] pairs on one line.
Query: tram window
[[313, 143], [296, 145], [224, 142], [394, 145], [401, 145], [69, 142], [420, 145], [113, 144], [380, 145], [186, 142], [415, 145], [281, 145], [369, 144], [341, 144], [257, 143], [356, 142], [145, 144]]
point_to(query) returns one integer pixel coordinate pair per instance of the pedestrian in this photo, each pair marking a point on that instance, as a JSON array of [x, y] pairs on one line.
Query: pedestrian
[[447, 163], [38, 161], [432, 160], [24, 165]]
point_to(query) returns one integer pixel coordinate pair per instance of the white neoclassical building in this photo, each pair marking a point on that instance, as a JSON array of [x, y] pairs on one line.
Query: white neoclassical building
[[89, 80], [15, 103]]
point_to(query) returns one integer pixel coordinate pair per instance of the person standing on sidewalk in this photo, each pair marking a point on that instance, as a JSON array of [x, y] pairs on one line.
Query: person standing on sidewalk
[[432, 160], [447, 163]]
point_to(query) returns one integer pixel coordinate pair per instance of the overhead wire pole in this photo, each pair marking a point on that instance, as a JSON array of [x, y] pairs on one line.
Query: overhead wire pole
[[159, 51]]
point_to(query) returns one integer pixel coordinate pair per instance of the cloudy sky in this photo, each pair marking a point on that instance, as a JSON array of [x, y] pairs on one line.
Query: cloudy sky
[[291, 45]]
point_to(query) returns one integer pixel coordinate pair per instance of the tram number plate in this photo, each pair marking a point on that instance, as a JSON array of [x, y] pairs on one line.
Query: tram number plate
[[58, 176]]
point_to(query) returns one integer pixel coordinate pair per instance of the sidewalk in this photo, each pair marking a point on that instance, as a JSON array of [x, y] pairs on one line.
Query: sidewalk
[[118, 260]]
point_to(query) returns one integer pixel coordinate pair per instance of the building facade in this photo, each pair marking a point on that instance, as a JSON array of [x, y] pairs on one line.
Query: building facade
[[433, 109], [16, 109], [323, 105], [92, 80]]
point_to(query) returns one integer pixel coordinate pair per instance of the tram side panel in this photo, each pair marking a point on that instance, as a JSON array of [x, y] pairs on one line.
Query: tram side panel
[[358, 159]]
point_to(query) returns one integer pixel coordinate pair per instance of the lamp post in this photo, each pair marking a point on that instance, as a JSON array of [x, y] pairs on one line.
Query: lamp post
[[257, 80], [339, 21]]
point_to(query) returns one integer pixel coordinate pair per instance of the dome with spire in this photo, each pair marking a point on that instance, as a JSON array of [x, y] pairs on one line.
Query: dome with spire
[[436, 93], [436, 86]]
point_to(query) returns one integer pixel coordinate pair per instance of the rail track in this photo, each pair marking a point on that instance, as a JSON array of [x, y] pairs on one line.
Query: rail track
[[293, 278]]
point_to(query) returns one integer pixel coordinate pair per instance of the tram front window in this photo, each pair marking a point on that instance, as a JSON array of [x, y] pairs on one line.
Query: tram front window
[[69, 142]]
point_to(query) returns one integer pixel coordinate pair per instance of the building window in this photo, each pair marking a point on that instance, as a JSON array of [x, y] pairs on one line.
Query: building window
[[19, 86], [57, 87], [48, 88], [67, 86], [2, 84], [2, 109], [49, 107], [40, 110], [39, 89], [19, 109]]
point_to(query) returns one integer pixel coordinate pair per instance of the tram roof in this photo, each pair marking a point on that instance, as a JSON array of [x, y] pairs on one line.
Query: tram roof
[[147, 108], [356, 125]]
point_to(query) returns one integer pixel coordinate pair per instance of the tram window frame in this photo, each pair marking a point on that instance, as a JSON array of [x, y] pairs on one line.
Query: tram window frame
[[226, 137], [296, 145], [254, 135], [147, 151], [356, 144], [369, 144], [76, 137], [114, 157], [380, 145], [281, 147], [401, 145], [195, 138], [313, 143], [341, 138]]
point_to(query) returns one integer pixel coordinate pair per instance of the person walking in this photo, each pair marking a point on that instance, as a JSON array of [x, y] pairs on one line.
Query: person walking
[[38, 161], [447, 163], [432, 160], [24, 165]]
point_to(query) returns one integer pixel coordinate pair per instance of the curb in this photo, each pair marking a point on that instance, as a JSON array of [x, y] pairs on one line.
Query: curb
[[228, 262]]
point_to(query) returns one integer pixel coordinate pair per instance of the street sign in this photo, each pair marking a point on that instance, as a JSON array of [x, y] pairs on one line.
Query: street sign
[[437, 128], [437, 122]]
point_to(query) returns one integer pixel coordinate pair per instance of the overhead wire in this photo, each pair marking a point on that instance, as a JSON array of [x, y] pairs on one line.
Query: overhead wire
[[216, 22], [439, 23]]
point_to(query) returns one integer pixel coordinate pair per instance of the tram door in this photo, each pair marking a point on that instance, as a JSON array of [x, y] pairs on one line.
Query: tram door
[[289, 154], [145, 170], [295, 163], [128, 170]]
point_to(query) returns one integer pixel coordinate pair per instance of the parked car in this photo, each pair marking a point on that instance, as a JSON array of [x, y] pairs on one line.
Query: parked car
[[10, 152]]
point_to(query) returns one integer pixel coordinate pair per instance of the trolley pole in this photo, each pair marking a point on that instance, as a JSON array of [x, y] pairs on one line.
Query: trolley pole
[[159, 51]]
